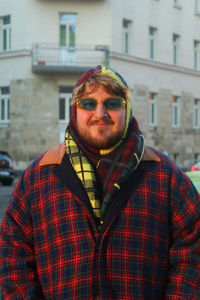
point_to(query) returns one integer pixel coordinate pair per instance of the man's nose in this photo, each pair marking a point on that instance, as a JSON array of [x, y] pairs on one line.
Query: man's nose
[[100, 111]]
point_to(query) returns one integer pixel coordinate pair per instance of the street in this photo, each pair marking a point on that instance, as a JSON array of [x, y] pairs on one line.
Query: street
[[5, 193]]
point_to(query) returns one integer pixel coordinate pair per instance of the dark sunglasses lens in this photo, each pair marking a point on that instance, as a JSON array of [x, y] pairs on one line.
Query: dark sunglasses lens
[[88, 104], [113, 103]]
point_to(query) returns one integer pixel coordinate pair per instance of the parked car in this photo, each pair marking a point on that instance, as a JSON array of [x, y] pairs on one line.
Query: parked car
[[6, 168], [195, 178], [195, 167]]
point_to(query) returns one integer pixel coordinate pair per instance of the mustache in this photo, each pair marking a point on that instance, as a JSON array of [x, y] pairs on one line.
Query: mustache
[[104, 120]]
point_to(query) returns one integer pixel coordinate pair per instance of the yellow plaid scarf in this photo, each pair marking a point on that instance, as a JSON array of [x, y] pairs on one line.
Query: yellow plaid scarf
[[84, 171]]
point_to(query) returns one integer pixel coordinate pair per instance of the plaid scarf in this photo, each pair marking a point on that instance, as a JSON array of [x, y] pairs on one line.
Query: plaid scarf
[[113, 168], [84, 171]]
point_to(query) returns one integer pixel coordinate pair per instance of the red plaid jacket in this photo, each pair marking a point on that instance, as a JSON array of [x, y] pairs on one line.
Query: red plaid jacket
[[148, 246]]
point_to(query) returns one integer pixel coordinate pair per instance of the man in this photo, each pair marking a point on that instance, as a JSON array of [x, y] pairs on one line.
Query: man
[[101, 216]]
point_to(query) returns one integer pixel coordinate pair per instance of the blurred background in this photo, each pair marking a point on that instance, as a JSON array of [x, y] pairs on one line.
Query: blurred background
[[45, 45]]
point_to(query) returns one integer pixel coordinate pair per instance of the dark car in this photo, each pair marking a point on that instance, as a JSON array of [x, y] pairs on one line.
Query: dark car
[[6, 169], [195, 167]]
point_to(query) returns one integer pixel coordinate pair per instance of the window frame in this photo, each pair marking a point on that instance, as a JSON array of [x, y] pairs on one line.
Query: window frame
[[196, 158], [127, 36], [196, 114], [176, 111], [176, 48], [152, 42], [178, 3], [67, 107], [68, 24], [152, 109], [176, 158], [5, 33], [196, 55], [5, 104], [197, 6]]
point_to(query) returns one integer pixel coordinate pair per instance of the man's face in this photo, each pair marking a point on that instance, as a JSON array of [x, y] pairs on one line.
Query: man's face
[[100, 128]]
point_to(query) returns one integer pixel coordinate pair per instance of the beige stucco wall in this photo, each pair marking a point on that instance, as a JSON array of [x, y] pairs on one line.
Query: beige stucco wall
[[37, 21], [164, 16]]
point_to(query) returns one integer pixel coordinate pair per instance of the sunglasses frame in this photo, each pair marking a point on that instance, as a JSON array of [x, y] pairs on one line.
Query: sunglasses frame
[[123, 103]]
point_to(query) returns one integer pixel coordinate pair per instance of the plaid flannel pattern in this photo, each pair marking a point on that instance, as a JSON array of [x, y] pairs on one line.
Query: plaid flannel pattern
[[148, 247]]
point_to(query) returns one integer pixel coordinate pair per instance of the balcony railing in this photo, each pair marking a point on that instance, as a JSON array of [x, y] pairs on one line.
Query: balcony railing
[[51, 57]]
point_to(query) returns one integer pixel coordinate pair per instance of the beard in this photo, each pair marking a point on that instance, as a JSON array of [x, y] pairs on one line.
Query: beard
[[99, 144], [100, 138]]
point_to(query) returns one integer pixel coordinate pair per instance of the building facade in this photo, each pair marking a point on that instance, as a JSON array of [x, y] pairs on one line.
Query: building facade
[[45, 46]]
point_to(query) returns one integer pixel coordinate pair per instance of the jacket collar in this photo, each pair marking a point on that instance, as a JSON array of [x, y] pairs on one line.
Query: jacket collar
[[55, 155]]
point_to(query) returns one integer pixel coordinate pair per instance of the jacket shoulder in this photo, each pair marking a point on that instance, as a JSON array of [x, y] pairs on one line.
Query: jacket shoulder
[[53, 156], [49, 158]]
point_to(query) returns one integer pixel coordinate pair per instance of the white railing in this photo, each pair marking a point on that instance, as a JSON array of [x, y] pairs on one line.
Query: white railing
[[79, 56]]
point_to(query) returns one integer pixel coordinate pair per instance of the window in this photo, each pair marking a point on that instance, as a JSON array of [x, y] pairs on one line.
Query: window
[[196, 114], [196, 55], [5, 33], [176, 48], [4, 105], [176, 158], [67, 40], [68, 30], [152, 109], [197, 6], [152, 42], [175, 111], [196, 158], [64, 107], [65, 96], [178, 3], [127, 33]]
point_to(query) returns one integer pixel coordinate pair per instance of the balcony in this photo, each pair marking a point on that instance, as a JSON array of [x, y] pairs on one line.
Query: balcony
[[53, 58]]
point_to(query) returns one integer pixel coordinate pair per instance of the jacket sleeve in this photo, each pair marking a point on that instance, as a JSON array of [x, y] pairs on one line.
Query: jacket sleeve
[[18, 276], [184, 252]]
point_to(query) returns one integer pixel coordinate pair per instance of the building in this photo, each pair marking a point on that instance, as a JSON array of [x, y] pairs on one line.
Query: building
[[45, 45]]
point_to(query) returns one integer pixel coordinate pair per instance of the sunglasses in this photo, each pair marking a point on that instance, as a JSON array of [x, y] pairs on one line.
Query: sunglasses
[[112, 103]]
